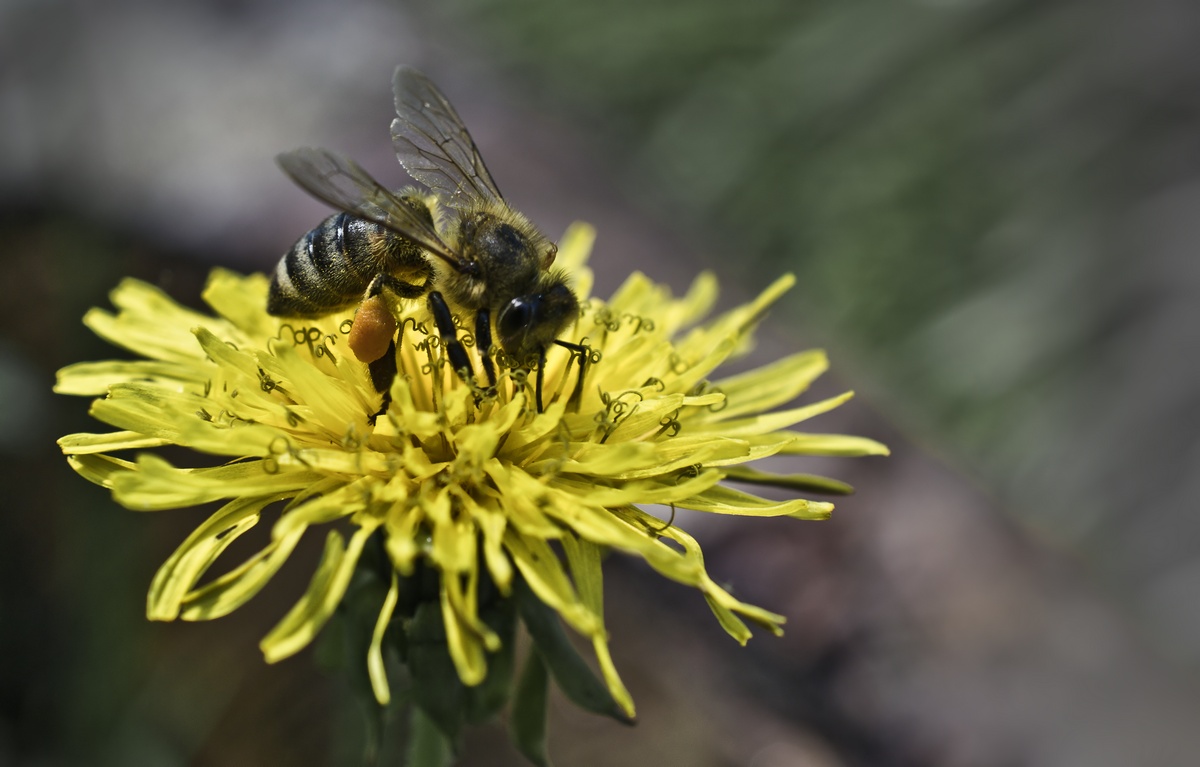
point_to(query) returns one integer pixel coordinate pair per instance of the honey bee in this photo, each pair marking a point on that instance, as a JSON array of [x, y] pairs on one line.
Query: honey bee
[[481, 257]]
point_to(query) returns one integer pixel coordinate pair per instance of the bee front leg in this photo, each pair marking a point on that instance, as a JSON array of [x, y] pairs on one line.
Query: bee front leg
[[582, 353], [449, 335], [541, 376]]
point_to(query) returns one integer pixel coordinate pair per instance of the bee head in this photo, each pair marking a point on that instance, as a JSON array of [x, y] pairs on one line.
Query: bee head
[[527, 324]]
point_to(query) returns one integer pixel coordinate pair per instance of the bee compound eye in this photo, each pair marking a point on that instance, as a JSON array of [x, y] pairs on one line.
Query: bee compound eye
[[515, 317]]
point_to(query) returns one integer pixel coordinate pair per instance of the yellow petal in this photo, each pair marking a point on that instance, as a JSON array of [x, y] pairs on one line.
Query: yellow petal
[[183, 569], [465, 644], [540, 568], [769, 422], [95, 378], [725, 500], [79, 444], [376, 670], [155, 484], [832, 444], [230, 591], [309, 615], [241, 301], [772, 385], [584, 560], [574, 248]]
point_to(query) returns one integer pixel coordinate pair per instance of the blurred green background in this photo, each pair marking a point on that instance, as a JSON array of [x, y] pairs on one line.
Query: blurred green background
[[990, 206]]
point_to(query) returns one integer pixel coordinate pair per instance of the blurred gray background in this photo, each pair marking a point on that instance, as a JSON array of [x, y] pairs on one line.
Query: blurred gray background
[[991, 208]]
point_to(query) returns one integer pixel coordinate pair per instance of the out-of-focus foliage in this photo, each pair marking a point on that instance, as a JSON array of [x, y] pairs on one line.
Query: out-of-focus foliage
[[993, 202]]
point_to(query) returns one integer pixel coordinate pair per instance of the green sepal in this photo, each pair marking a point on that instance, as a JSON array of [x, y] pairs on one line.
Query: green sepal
[[805, 483], [572, 675], [527, 723], [338, 652], [357, 615], [486, 699], [436, 687], [428, 746], [330, 647]]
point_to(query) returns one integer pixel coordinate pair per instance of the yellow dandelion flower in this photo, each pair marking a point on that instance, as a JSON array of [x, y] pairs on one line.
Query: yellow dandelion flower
[[474, 497]]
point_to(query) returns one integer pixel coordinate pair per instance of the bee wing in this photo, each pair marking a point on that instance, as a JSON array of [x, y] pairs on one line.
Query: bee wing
[[434, 146], [341, 182]]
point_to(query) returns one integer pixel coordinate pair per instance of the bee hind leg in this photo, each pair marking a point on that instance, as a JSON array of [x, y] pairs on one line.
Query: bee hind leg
[[395, 285], [383, 372], [383, 369]]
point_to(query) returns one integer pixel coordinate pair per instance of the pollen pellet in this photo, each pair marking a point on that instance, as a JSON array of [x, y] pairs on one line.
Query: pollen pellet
[[372, 330]]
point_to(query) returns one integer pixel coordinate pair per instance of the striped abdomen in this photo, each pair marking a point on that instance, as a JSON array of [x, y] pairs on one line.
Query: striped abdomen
[[330, 267]]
